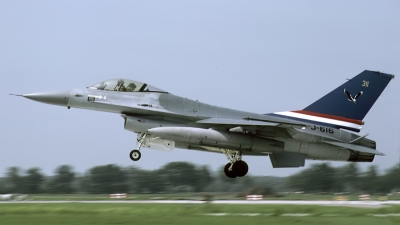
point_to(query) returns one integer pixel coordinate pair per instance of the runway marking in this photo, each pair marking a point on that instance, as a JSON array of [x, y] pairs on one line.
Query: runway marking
[[331, 215], [217, 214], [384, 215], [295, 214], [249, 214]]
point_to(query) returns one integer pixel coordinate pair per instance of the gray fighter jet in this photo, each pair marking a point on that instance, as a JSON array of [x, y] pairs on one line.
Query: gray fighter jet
[[324, 130]]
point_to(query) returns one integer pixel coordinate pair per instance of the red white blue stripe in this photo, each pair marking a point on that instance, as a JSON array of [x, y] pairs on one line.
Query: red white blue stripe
[[323, 119]]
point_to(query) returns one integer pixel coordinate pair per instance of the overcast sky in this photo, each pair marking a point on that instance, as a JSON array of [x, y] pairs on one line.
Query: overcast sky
[[257, 56]]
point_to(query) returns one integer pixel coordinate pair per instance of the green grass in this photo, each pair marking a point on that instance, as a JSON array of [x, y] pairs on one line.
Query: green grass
[[87, 213]]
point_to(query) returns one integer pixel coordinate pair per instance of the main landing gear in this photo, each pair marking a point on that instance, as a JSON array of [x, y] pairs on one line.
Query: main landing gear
[[135, 154], [236, 167]]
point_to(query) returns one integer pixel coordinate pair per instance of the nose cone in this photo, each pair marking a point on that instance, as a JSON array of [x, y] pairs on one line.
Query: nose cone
[[54, 97]]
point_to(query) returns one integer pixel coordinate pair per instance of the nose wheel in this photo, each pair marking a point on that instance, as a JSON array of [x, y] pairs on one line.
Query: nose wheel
[[135, 155]]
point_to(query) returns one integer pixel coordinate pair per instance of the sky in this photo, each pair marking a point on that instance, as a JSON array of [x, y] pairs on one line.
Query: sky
[[256, 56]]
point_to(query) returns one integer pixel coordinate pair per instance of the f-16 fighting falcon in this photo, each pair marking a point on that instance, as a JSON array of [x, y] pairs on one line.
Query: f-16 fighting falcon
[[325, 130]]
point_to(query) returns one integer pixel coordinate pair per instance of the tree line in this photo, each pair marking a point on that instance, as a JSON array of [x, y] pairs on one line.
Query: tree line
[[349, 178], [176, 176], [187, 177]]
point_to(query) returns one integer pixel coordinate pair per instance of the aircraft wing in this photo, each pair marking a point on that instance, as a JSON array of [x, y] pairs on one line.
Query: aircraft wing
[[356, 148]]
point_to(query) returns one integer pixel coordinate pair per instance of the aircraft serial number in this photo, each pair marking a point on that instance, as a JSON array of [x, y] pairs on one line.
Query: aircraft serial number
[[323, 129]]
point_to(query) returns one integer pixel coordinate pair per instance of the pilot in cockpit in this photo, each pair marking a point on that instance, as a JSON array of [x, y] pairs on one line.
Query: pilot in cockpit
[[131, 87], [120, 86]]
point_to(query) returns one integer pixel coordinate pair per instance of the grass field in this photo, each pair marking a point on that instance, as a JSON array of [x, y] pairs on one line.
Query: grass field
[[105, 213]]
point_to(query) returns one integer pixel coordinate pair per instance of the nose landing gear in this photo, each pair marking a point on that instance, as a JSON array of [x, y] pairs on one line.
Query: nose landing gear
[[135, 154], [236, 167]]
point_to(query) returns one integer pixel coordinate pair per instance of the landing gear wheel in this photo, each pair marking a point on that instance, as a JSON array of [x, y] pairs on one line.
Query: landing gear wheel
[[135, 155], [240, 168], [231, 173]]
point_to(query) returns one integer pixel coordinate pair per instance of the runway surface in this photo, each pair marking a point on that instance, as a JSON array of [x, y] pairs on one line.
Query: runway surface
[[363, 204]]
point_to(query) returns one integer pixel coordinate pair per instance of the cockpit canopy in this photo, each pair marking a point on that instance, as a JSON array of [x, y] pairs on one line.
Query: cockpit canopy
[[125, 85]]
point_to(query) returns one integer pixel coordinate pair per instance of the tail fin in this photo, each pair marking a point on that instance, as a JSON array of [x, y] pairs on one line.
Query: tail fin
[[354, 98]]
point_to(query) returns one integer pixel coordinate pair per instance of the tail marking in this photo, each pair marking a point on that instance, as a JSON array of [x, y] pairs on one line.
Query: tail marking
[[350, 98]]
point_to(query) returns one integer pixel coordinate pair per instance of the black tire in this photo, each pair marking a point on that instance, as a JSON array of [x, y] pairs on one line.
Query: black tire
[[135, 155], [241, 168], [230, 174]]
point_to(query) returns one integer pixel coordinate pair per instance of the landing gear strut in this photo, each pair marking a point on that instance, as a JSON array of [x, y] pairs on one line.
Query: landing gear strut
[[236, 167], [135, 154]]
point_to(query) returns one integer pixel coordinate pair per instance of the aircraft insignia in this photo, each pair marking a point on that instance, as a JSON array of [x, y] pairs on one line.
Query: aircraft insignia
[[350, 98]]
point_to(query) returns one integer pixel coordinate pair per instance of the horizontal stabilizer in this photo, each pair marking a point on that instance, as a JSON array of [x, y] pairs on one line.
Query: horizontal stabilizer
[[357, 148], [287, 160], [223, 121]]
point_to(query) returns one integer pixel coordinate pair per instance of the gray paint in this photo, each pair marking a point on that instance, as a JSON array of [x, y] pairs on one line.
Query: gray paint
[[167, 119]]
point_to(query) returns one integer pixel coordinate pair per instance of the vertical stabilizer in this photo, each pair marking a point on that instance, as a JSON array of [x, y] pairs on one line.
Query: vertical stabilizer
[[354, 98]]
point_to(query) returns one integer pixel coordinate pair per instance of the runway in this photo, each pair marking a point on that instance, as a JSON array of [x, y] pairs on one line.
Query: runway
[[362, 204]]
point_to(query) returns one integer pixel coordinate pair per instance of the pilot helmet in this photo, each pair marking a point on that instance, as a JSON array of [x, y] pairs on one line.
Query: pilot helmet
[[120, 82]]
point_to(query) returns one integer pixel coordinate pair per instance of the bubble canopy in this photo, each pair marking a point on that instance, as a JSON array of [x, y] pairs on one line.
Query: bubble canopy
[[124, 85]]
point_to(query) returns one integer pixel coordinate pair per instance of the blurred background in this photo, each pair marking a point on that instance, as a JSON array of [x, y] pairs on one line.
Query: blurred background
[[183, 180]]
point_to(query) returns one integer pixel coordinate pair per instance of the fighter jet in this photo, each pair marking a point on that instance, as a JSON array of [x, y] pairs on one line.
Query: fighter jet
[[325, 130]]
